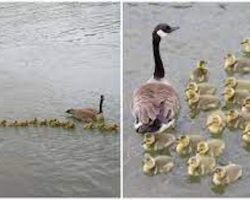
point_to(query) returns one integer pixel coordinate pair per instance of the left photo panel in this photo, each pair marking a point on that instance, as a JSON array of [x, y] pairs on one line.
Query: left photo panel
[[60, 99]]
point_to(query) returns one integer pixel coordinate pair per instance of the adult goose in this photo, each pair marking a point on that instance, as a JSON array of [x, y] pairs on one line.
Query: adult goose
[[88, 114], [155, 104]]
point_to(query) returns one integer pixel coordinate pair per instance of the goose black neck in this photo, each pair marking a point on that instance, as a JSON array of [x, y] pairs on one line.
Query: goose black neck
[[159, 68], [100, 105]]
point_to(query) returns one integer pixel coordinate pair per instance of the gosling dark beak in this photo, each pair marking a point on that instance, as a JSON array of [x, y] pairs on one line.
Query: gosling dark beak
[[243, 42], [68, 111], [174, 28]]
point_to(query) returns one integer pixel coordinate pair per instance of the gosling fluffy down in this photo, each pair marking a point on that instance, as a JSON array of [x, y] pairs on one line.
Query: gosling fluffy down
[[158, 164], [236, 65], [158, 141], [212, 147], [201, 165], [216, 122], [227, 174]]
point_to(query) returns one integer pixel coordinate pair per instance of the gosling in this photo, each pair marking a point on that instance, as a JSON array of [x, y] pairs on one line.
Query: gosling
[[201, 88], [236, 97], [202, 102], [200, 74], [237, 84], [246, 105], [227, 174], [158, 141], [212, 147], [246, 134], [201, 165], [233, 65], [158, 164], [188, 143], [246, 45], [216, 123]]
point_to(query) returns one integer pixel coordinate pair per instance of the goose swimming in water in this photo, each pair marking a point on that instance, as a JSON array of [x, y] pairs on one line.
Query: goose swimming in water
[[88, 114], [155, 104]]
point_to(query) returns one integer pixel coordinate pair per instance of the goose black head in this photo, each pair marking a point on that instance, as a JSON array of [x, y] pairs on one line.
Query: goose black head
[[162, 30], [102, 97]]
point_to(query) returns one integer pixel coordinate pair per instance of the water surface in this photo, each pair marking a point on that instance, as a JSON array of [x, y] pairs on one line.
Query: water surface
[[55, 56], [207, 31]]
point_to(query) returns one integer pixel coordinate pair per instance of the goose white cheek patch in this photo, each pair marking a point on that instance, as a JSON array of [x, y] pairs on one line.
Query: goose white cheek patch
[[161, 33], [137, 125]]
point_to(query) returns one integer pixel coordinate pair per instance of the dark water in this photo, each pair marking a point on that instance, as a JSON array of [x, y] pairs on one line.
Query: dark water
[[207, 31], [54, 56]]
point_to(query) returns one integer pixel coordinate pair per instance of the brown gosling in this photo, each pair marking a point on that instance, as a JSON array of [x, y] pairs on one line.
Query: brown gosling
[[188, 143], [88, 114], [216, 123], [34, 121], [201, 165], [158, 164], [43, 122], [158, 141], [239, 65], [236, 97], [227, 174], [201, 88], [202, 102], [212, 147], [90, 125], [237, 84], [200, 74]]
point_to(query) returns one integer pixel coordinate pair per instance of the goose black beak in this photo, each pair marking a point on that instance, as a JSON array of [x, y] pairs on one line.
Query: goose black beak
[[174, 28]]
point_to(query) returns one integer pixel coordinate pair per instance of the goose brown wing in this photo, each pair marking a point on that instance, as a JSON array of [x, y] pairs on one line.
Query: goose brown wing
[[155, 100]]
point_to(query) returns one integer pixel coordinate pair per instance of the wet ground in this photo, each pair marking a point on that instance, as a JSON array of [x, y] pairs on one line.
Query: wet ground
[[55, 56], [207, 31]]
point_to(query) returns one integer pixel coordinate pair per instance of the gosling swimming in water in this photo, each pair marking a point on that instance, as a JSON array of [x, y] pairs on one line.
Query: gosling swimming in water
[[227, 174], [202, 102], [246, 105], [200, 74], [212, 147], [237, 84], [246, 45], [201, 88], [201, 165], [235, 97], [239, 65], [216, 122], [188, 143], [246, 134], [158, 164], [158, 141], [88, 114]]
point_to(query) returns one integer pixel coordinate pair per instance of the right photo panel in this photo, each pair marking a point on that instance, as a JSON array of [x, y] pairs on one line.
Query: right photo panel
[[186, 129]]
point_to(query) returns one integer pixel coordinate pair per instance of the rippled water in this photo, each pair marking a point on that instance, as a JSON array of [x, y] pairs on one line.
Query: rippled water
[[55, 56], [207, 31]]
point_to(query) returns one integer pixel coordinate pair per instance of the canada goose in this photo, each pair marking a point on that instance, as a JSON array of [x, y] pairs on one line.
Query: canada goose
[[188, 143], [237, 84], [239, 65], [88, 114], [201, 88], [202, 102], [235, 97], [212, 147], [201, 165], [227, 174], [216, 122], [158, 141], [155, 104], [200, 74], [246, 45], [246, 105], [158, 164]]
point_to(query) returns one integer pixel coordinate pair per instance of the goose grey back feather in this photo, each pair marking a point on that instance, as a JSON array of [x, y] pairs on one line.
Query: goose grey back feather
[[155, 101]]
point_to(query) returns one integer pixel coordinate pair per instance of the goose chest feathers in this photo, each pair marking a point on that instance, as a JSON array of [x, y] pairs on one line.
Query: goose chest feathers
[[155, 104]]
